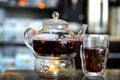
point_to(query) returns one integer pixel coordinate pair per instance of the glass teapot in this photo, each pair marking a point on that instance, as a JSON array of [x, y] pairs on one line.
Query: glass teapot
[[54, 47]]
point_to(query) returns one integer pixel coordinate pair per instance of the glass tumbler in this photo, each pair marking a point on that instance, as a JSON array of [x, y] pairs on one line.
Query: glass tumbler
[[94, 54]]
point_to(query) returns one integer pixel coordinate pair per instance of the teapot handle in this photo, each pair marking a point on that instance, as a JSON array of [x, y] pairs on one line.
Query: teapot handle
[[28, 37]]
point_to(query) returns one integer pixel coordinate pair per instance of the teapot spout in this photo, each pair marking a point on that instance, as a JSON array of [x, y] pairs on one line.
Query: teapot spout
[[81, 33]]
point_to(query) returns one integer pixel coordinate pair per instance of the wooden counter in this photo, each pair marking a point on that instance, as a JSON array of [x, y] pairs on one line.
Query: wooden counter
[[110, 74]]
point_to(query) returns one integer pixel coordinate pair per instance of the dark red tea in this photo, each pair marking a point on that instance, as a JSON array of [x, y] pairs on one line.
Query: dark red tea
[[56, 47], [94, 58]]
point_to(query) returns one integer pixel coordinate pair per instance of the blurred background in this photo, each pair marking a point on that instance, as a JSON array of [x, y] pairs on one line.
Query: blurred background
[[102, 16]]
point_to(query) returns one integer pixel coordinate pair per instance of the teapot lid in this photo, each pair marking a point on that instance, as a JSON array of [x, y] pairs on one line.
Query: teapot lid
[[55, 24]]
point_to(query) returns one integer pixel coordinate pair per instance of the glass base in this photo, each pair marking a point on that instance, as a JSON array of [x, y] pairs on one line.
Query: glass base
[[54, 68], [92, 74], [54, 76]]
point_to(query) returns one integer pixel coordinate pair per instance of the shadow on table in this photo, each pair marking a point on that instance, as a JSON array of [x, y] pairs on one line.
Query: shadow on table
[[40, 78]]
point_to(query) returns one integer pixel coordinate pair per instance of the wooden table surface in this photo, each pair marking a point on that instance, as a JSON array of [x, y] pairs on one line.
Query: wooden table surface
[[110, 74]]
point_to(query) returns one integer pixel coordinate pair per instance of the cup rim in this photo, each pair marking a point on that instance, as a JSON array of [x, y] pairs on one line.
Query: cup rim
[[98, 35]]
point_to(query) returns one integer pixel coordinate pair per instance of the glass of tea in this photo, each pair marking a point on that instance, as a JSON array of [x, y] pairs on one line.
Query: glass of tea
[[94, 54]]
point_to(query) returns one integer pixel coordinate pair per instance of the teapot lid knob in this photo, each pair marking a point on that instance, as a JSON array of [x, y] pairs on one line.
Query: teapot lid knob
[[55, 15]]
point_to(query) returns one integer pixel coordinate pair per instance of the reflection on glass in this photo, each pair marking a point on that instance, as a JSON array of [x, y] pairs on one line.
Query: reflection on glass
[[41, 78], [92, 78]]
